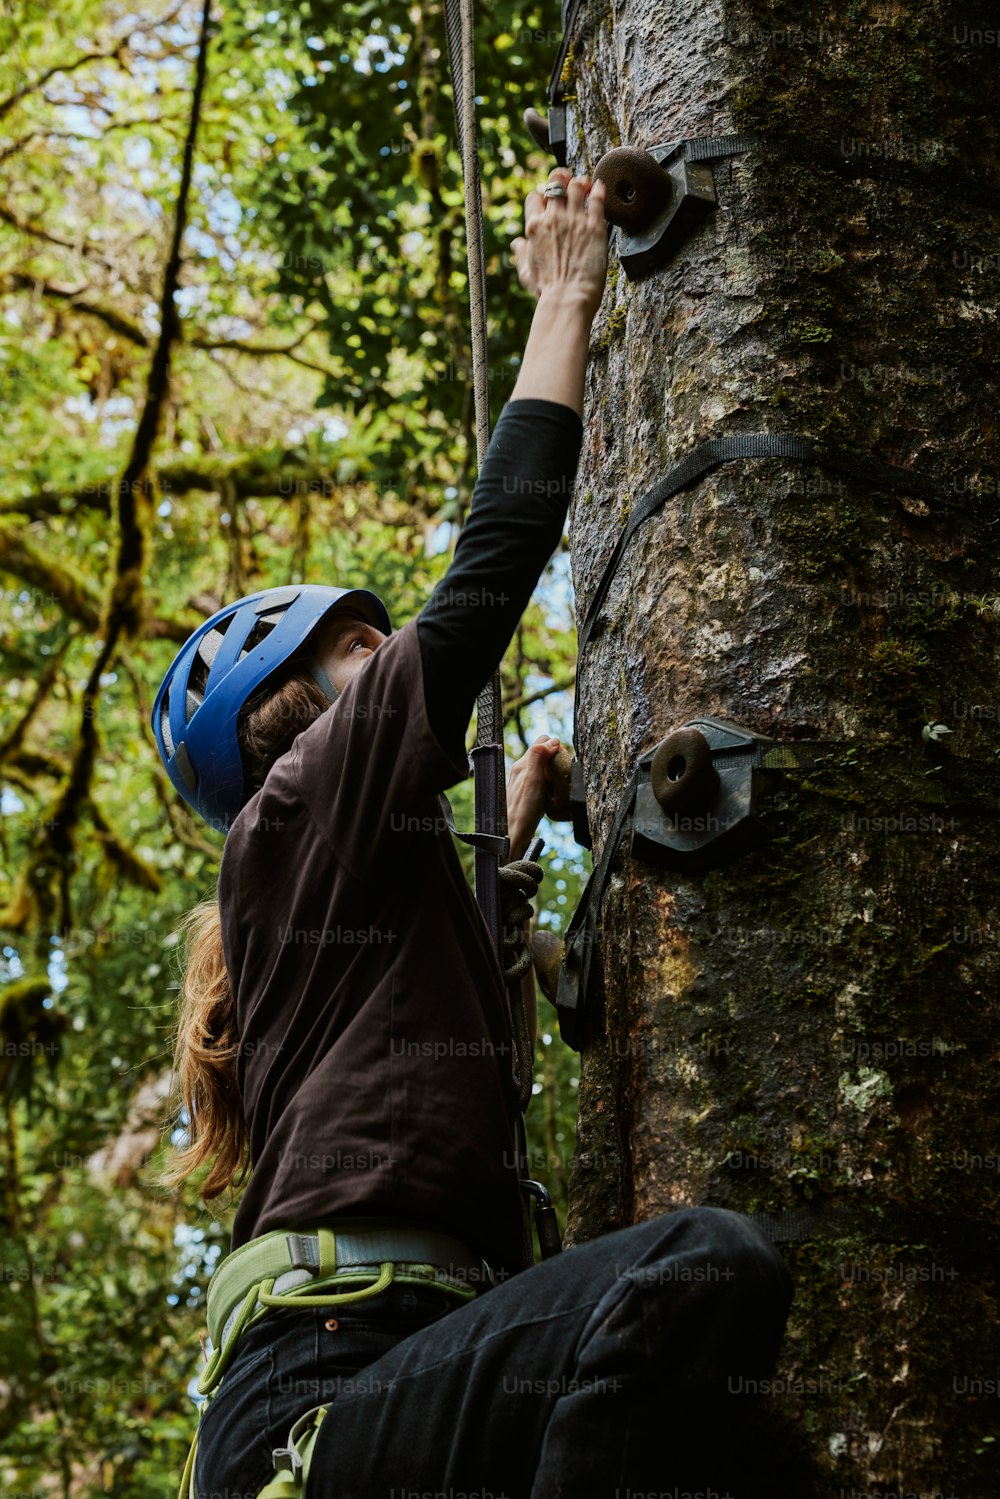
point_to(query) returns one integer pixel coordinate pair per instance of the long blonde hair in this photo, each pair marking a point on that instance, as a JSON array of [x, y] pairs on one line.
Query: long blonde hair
[[207, 1040]]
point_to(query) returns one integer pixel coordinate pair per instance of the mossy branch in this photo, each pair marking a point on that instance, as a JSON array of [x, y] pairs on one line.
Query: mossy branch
[[47, 871]]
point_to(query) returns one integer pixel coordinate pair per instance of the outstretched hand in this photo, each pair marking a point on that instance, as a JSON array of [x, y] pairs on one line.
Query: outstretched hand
[[565, 243]]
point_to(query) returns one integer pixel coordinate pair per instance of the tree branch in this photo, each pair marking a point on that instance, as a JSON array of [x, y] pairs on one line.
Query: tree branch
[[122, 616], [75, 135], [61, 584], [561, 684], [6, 105], [35, 231], [74, 296], [43, 687]]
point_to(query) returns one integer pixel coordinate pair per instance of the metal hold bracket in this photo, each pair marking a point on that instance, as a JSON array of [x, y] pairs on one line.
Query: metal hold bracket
[[578, 805], [692, 198], [696, 798]]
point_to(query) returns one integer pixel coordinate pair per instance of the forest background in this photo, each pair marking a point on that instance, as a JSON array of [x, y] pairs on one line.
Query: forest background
[[234, 353]]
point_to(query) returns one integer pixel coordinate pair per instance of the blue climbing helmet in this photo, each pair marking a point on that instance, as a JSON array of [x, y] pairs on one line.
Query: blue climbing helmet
[[214, 673]]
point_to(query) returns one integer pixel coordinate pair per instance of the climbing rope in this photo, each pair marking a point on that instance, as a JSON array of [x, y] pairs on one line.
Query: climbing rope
[[519, 882], [504, 916], [489, 717], [491, 801]]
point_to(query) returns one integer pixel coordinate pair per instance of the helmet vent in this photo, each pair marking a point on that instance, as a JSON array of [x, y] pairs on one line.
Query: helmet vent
[[260, 632], [208, 647], [168, 738]]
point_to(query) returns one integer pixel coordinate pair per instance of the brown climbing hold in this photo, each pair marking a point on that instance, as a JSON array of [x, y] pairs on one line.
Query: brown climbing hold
[[682, 774], [558, 778], [637, 188], [538, 127]]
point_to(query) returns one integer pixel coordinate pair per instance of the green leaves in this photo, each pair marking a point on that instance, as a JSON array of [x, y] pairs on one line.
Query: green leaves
[[318, 426]]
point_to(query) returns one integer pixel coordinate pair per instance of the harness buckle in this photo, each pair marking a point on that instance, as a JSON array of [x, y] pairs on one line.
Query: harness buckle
[[287, 1459], [302, 1251]]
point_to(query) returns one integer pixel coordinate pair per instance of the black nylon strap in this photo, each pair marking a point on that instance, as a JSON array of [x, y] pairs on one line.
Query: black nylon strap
[[579, 933], [488, 841], [958, 1237], [845, 160], [709, 455], [570, 16]]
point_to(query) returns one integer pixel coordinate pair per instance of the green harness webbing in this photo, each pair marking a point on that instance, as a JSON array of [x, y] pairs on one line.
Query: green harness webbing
[[294, 1460], [258, 1301]]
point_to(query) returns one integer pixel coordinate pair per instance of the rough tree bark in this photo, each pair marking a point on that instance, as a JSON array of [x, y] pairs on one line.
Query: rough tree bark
[[815, 1023]]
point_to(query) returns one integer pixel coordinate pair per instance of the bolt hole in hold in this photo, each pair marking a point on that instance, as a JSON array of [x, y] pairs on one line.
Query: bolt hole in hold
[[331, 1324], [637, 188], [681, 774]]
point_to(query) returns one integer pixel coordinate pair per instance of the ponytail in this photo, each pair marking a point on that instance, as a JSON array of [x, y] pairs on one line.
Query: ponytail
[[207, 1042]]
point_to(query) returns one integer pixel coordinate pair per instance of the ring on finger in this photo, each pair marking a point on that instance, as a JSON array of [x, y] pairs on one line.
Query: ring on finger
[[554, 190]]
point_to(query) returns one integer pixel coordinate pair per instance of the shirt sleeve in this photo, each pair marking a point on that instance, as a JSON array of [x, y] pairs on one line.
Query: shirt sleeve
[[515, 523], [369, 770]]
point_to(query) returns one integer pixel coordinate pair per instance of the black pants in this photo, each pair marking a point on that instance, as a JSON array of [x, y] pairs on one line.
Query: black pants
[[622, 1368]]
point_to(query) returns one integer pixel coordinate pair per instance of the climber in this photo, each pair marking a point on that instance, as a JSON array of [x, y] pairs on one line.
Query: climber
[[343, 1030]]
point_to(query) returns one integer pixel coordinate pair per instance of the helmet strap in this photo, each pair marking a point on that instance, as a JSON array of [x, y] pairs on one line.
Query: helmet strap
[[320, 677]]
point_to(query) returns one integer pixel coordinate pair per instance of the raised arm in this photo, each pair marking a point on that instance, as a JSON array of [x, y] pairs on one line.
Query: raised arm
[[563, 259], [519, 505]]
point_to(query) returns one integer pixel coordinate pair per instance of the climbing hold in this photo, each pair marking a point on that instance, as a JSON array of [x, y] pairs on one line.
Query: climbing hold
[[558, 782], [682, 775], [638, 189], [547, 953], [538, 127], [549, 131], [696, 797], [655, 199]]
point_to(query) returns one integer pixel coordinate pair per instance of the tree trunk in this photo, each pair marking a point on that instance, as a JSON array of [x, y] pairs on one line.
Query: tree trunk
[[815, 1023]]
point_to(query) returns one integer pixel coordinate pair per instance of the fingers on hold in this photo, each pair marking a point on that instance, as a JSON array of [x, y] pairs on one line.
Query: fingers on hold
[[577, 192], [533, 206]]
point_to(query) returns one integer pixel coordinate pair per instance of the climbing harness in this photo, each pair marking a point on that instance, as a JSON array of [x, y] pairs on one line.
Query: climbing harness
[[490, 841], [290, 1268], [292, 1461]]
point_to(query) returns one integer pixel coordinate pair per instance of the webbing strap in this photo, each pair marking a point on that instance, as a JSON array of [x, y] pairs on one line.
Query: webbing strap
[[968, 786], [847, 158], [710, 455], [292, 1462], [498, 846], [960, 1237], [580, 933]]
